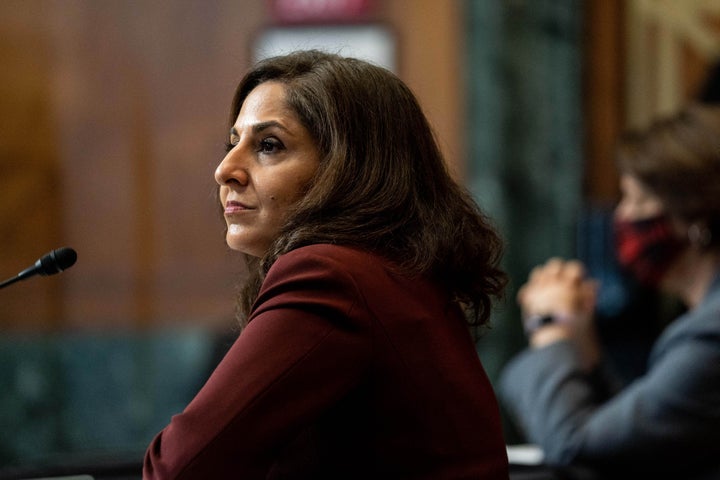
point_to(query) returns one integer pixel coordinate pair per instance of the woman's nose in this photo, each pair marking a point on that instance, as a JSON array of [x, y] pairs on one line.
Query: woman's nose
[[620, 212], [231, 169]]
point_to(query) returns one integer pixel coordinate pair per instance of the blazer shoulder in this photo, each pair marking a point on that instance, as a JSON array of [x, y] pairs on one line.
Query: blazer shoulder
[[352, 260]]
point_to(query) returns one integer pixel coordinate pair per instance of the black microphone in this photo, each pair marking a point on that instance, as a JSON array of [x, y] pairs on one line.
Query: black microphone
[[49, 264]]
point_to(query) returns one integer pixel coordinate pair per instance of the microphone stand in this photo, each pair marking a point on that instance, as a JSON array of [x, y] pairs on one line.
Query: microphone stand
[[10, 281]]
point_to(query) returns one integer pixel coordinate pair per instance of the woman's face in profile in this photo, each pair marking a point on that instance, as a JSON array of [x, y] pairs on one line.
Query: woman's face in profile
[[636, 202], [271, 160]]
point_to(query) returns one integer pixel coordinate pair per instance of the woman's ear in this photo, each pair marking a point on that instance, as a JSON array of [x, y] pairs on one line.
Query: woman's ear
[[699, 234]]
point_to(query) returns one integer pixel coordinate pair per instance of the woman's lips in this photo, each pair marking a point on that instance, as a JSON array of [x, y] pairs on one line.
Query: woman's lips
[[232, 207]]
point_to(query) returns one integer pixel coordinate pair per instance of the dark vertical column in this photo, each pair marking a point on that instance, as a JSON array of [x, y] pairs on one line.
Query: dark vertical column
[[525, 138]]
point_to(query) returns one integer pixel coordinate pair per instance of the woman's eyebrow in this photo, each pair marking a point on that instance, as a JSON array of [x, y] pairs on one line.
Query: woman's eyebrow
[[260, 126]]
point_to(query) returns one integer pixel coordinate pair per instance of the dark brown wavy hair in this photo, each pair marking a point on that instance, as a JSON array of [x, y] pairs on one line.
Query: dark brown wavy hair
[[678, 158], [382, 184]]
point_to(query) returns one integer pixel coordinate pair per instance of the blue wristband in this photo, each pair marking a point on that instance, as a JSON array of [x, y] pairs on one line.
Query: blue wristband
[[535, 322]]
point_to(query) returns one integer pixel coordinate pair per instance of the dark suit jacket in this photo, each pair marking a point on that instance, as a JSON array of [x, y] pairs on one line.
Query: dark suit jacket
[[666, 424], [346, 370]]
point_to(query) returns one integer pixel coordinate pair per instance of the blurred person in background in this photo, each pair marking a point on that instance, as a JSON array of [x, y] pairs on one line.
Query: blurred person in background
[[366, 263], [667, 229]]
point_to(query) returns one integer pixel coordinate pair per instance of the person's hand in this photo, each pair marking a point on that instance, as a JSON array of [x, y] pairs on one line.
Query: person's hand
[[558, 288], [561, 290]]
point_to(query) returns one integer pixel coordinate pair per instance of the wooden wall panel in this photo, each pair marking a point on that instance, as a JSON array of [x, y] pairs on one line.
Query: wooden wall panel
[[603, 92], [432, 46], [30, 182]]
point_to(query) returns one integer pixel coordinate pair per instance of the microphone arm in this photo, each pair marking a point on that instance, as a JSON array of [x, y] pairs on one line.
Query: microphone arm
[[10, 281], [49, 264]]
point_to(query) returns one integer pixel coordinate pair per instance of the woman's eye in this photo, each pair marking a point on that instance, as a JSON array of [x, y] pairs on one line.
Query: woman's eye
[[270, 145]]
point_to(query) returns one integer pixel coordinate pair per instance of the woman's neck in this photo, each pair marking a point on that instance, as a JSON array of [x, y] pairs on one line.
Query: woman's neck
[[690, 277]]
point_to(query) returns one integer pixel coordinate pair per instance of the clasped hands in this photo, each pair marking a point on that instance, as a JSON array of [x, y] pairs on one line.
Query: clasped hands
[[561, 289]]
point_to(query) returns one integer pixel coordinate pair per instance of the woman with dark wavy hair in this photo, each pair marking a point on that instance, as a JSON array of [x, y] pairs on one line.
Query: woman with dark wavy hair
[[367, 266]]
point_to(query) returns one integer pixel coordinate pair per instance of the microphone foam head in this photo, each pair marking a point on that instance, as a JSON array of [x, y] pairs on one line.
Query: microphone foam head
[[57, 261]]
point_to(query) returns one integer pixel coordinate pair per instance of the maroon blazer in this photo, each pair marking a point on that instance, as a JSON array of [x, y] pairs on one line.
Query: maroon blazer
[[347, 369]]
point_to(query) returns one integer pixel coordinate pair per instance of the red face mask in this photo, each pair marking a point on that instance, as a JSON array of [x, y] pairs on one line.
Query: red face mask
[[646, 248]]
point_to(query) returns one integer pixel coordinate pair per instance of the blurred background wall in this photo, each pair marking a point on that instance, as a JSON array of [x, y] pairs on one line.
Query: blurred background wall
[[113, 116]]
